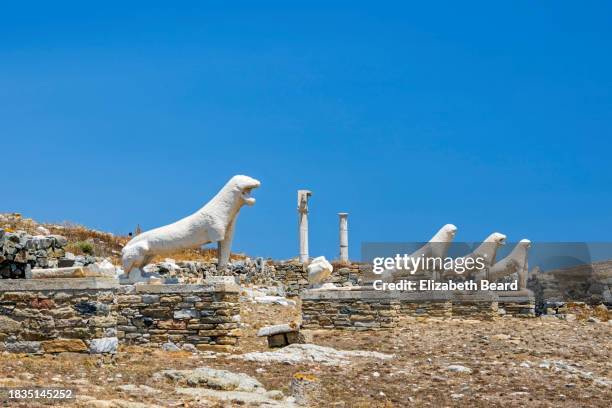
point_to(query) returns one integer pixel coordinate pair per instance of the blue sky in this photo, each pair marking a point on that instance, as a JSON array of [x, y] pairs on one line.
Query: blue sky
[[491, 116]]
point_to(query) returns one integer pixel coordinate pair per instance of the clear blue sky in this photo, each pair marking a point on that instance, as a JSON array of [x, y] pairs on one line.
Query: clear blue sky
[[493, 116]]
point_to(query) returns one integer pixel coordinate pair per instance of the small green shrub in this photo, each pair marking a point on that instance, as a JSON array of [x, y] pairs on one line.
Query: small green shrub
[[86, 247]]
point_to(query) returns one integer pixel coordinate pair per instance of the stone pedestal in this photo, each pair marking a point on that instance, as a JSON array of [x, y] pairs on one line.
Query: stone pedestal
[[359, 308], [348, 309], [426, 304], [58, 315], [96, 314], [206, 316]]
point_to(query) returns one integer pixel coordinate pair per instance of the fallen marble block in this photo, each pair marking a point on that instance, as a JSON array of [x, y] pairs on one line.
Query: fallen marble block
[[71, 272], [103, 268], [319, 270], [52, 273]]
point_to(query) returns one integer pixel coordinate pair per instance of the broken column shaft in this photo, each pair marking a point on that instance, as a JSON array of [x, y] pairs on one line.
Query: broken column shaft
[[303, 196], [344, 257]]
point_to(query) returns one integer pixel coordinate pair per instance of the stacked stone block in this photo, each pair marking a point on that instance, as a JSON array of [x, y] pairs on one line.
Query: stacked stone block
[[57, 315], [292, 275], [374, 310], [349, 314], [20, 252], [476, 305], [441, 308], [205, 316], [518, 309], [517, 305]]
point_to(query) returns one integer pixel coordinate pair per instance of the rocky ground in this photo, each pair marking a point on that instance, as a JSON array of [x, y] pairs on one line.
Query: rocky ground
[[544, 362]]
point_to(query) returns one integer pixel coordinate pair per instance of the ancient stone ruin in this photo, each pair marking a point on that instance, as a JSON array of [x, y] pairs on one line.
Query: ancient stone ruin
[[95, 314], [50, 302], [20, 252]]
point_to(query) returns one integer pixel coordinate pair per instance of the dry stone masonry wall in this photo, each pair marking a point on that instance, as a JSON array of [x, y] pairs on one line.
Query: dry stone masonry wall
[[291, 275], [205, 316], [94, 315], [20, 252], [374, 310], [56, 315]]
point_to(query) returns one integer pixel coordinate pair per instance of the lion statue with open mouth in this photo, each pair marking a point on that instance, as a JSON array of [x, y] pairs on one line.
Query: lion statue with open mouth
[[214, 222]]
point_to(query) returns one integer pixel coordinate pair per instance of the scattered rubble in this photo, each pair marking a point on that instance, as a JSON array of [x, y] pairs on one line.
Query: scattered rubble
[[266, 295], [563, 366], [20, 252]]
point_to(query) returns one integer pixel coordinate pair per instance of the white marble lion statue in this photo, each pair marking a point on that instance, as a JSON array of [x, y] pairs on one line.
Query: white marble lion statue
[[214, 222], [486, 251], [515, 263], [437, 247]]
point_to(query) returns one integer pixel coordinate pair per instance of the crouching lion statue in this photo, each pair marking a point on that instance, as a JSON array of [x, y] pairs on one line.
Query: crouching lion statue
[[214, 222]]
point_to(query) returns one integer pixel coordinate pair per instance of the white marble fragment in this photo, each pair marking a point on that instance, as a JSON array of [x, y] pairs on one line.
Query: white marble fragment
[[103, 345], [103, 268], [319, 270]]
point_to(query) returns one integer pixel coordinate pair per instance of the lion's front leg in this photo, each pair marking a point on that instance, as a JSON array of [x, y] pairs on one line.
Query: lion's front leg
[[224, 247]]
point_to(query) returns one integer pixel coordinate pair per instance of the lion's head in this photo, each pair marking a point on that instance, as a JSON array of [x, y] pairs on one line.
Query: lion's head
[[525, 243], [445, 234], [449, 231], [496, 238], [243, 185]]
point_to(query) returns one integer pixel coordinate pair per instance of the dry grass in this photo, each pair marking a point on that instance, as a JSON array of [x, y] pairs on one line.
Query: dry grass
[[104, 244], [416, 376]]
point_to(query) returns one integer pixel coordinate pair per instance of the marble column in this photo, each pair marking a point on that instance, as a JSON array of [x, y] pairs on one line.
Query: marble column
[[302, 208], [344, 257]]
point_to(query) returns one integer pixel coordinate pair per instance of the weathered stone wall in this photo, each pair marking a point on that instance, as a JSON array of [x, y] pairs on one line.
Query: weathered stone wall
[[292, 275], [20, 252], [374, 310], [350, 314], [475, 305], [205, 316], [517, 306], [295, 276], [95, 314], [427, 308], [55, 315]]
